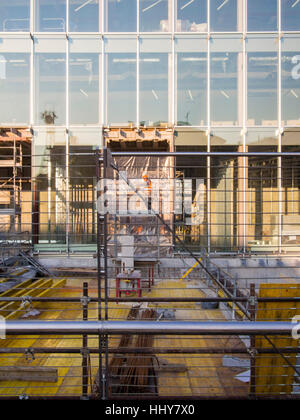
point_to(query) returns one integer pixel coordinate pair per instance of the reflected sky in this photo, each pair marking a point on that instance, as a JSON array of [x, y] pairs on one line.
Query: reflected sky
[[154, 16], [121, 88], [120, 15], [84, 16], [224, 88], [14, 87], [223, 15], [191, 16], [84, 88], [50, 15], [14, 16], [153, 88], [262, 88], [290, 19], [262, 15], [290, 68], [191, 89], [50, 89]]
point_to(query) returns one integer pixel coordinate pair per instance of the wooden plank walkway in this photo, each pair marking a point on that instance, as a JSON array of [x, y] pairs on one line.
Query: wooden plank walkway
[[205, 374]]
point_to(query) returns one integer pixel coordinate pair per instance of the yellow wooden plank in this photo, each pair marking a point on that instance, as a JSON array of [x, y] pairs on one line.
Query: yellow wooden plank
[[273, 375]]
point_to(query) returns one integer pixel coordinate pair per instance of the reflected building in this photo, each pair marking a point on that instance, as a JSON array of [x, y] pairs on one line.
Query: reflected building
[[219, 75]]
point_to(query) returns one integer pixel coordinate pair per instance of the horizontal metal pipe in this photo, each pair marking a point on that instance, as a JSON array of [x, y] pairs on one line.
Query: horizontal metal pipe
[[142, 397], [147, 327], [153, 350], [215, 154], [146, 299]]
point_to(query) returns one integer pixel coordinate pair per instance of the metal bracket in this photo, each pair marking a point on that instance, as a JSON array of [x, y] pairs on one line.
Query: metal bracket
[[29, 354], [84, 352], [252, 352], [26, 300], [252, 300], [85, 300]]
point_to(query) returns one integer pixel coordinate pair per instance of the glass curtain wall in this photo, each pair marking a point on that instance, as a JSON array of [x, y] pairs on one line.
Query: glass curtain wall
[[230, 69]]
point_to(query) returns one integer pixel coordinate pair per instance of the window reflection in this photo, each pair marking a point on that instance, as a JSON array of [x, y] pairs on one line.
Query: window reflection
[[290, 230], [225, 206], [14, 86], [262, 15], [120, 15], [262, 88], [290, 15], [154, 16], [50, 15], [121, 95], [84, 88], [263, 200], [290, 87], [223, 15], [191, 16], [51, 188], [191, 89], [84, 15], [50, 89], [153, 88], [14, 16], [224, 88]]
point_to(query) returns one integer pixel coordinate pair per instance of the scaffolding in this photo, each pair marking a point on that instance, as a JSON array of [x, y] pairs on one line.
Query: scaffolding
[[196, 330]]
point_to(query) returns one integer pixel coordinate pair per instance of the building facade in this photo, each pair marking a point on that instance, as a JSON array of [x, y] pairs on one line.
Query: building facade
[[219, 75]]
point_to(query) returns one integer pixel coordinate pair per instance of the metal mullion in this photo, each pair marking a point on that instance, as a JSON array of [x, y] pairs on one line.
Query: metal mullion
[[208, 117], [280, 131], [245, 113], [67, 161], [138, 81]]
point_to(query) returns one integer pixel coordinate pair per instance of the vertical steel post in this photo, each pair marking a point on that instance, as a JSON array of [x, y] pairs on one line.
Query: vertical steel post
[[99, 266], [106, 290], [252, 312], [84, 352]]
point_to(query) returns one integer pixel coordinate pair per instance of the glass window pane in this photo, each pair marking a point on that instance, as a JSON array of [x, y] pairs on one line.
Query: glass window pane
[[50, 15], [223, 15], [290, 15], [82, 193], [190, 137], [291, 137], [261, 137], [192, 177], [14, 16], [263, 216], [226, 208], [121, 88], [262, 88], [154, 16], [84, 88], [50, 89], [262, 15], [153, 88], [224, 88], [226, 137], [120, 15], [49, 176], [85, 136], [290, 229], [191, 88], [14, 88], [290, 70], [191, 16], [84, 15]]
